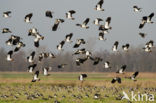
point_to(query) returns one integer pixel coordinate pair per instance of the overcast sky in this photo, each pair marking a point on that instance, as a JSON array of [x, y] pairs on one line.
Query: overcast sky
[[124, 23]]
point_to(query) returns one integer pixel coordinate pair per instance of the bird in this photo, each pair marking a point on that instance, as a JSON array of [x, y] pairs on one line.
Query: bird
[[61, 66], [146, 19], [107, 65], [134, 76], [30, 58], [68, 37], [88, 54], [107, 23], [6, 14], [115, 46], [96, 96], [19, 45], [79, 42], [148, 46], [96, 60], [6, 30], [147, 49], [45, 71], [60, 46], [31, 68], [28, 18], [98, 6], [136, 8], [80, 61], [48, 13], [97, 21], [13, 40], [122, 69], [142, 34], [51, 55], [69, 14], [118, 79], [56, 24], [150, 43], [82, 76], [101, 36], [125, 47], [9, 55], [34, 32], [35, 77], [84, 24], [103, 29], [80, 51]]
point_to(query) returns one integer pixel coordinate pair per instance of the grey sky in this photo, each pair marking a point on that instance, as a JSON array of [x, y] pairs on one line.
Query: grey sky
[[124, 21]]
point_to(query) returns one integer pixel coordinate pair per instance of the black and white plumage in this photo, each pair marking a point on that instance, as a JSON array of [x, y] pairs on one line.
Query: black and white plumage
[[107, 23], [18, 46], [6, 30], [13, 40], [79, 42], [69, 14], [134, 76], [60, 46], [97, 21], [80, 61], [142, 34], [31, 68], [148, 46], [98, 6], [80, 51], [107, 65], [122, 69], [36, 76], [150, 43], [30, 58], [146, 19], [101, 36], [125, 47], [96, 96], [88, 54], [51, 55], [103, 29], [48, 13], [82, 76], [56, 24], [84, 24], [34, 32], [6, 14], [68, 37], [115, 46], [96, 60], [116, 79], [147, 49], [136, 8], [45, 70], [28, 18], [9, 55]]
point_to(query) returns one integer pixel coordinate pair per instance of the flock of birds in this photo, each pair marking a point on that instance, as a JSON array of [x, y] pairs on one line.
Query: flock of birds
[[104, 28]]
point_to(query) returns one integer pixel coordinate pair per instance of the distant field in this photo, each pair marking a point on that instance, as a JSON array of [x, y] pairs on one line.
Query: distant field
[[19, 89]]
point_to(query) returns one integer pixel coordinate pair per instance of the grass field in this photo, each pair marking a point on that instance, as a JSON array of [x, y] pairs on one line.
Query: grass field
[[66, 88]]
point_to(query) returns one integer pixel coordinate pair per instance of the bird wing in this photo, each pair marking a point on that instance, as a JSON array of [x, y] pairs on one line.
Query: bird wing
[[86, 21]]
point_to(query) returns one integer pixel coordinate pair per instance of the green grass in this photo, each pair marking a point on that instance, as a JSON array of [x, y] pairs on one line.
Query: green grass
[[67, 84]]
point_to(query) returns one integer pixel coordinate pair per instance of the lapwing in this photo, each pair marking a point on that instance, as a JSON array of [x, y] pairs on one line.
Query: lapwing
[[84, 24], [98, 6], [69, 14]]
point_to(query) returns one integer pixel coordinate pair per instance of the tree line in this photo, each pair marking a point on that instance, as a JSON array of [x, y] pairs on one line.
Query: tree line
[[135, 59]]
